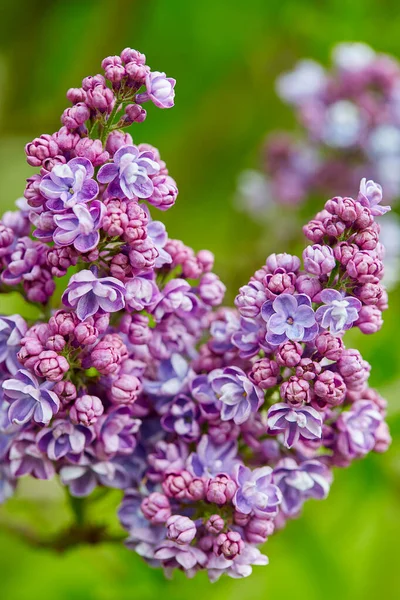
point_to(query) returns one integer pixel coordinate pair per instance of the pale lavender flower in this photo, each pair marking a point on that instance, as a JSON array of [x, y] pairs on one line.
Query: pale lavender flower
[[172, 378], [212, 459], [370, 195], [128, 175], [299, 482], [29, 399], [116, 433], [358, 428], [12, 330], [82, 478], [80, 227], [177, 298], [238, 568], [63, 439], [238, 395], [289, 318], [159, 89], [256, 491], [157, 232], [141, 292], [69, 184], [187, 557], [305, 422], [27, 459], [87, 294], [339, 312]]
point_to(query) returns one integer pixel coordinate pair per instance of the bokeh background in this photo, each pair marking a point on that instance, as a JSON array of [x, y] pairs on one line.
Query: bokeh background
[[225, 55]]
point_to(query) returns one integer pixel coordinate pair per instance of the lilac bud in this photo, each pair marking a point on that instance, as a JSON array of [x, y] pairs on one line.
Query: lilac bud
[[264, 373], [32, 191], [180, 529], [250, 299], [137, 74], [344, 252], [220, 489], [90, 82], [382, 438], [111, 61], [211, 289], [215, 524], [329, 346], [66, 391], [367, 239], [258, 530], [129, 55], [206, 260], [240, 518], [125, 389], [314, 231], [75, 116], [175, 485], [365, 268], [369, 319], [40, 149], [287, 262], [229, 545], [86, 333], [289, 354], [318, 260], [196, 489], [136, 327], [309, 285], [156, 508], [279, 283], [86, 410], [76, 95], [116, 139], [223, 431], [295, 391], [135, 113], [56, 343], [7, 237], [308, 369], [61, 259], [344, 208], [92, 150], [115, 73], [334, 227], [330, 387], [370, 293], [51, 365], [143, 254], [105, 358], [63, 322], [101, 98]]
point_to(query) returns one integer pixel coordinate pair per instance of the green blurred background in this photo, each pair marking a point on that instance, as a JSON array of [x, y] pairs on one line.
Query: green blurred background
[[225, 56]]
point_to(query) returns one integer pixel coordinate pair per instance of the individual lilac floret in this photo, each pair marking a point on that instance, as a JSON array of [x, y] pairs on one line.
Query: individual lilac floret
[[82, 478], [256, 492], [80, 227], [159, 89], [188, 557], [12, 330], [62, 439], [212, 459], [128, 175], [181, 418], [27, 459], [358, 428], [69, 184], [295, 422], [172, 377], [239, 396], [299, 482], [339, 311], [87, 294], [370, 195], [29, 399], [289, 318]]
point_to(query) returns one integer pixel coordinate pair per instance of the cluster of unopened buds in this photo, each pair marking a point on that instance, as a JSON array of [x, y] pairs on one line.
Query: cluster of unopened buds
[[216, 423], [349, 122]]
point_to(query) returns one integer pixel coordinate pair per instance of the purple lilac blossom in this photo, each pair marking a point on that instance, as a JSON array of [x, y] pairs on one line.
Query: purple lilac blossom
[[88, 294], [256, 491], [304, 422], [80, 227], [128, 175], [339, 312], [29, 399], [69, 184], [159, 89], [12, 330], [289, 318], [210, 459], [358, 428], [370, 195], [238, 395]]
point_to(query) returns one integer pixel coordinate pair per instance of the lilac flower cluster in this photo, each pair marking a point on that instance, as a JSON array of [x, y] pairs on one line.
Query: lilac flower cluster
[[217, 423], [349, 117]]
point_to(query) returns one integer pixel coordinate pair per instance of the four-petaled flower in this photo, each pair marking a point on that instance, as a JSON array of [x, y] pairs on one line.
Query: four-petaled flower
[[256, 491], [289, 318], [238, 395], [29, 399], [80, 227], [295, 422]]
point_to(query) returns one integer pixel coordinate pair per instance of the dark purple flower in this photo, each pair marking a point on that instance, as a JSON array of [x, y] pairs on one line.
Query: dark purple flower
[[29, 399], [27, 459], [256, 492], [181, 418], [128, 175], [339, 311], [238, 395], [299, 482], [358, 428], [211, 459], [295, 422], [12, 330], [80, 227], [159, 89], [69, 184], [63, 439], [87, 294], [289, 318], [370, 195]]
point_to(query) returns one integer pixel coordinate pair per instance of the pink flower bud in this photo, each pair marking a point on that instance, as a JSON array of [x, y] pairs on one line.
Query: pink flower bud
[[318, 260], [51, 365], [156, 508], [211, 289], [92, 150], [75, 116], [229, 545], [180, 529], [86, 333], [330, 387], [369, 319], [329, 346], [86, 410], [135, 113], [125, 389], [289, 354], [264, 373], [295, 391], [215, 524], [66, 391], [220, 489]]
